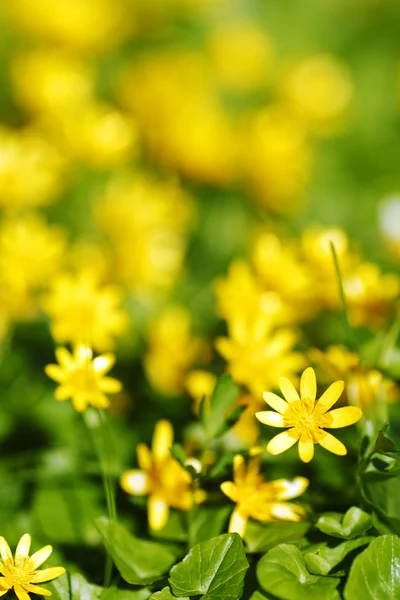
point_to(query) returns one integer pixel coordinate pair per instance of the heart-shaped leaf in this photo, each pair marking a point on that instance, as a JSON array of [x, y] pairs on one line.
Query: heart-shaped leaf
[[347, 526]]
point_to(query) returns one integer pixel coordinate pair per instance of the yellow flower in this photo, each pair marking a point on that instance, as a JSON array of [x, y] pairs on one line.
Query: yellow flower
[[83, 311], [363, 389], [261, 500], [256, 355], [200, 384], [306, 417], [21, 571], [161, 478], [81, 377]]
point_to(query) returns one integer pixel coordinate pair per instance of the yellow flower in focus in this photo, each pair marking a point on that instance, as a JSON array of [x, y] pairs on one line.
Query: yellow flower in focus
[[257, 355], [306, 417], [370, 294], [84, 311], [200, 384], [21, 572], [319, 90], [31, 170], [260, 500], [50, 80], [172, 350], [240, 54], [82, 377], [161, 478]]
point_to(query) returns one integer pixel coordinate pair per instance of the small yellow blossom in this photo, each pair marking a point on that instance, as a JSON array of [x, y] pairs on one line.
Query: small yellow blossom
[[20, 572], [82, 377], [84, 311], [200, 384], [258, 499], [256, 355], [161, 478], [336, 362], [363, 389], [306, 417]]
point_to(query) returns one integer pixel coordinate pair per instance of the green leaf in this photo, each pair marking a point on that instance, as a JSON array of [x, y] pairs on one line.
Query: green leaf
[[348, 526], [320, 559], [139, 561], [175, 529], [214, 569], [215, 417], [375, 573], [208, 522], [283, 573], [114, 593], [165, 594], [257, 596], [73, 587], [262, 537]]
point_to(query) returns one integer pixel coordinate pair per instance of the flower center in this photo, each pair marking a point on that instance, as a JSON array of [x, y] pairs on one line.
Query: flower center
[[303, 415], [20, 572]]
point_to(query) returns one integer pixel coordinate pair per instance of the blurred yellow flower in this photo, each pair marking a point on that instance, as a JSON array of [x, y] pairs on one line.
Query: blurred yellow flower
[[258, 499], [172, 350], [84, 311], [82, 377], [257, 356], [364, 389], [306, 417], [335, 362], [31, 169], [200, 384], [21, 572], [319, 91], [161, 478]]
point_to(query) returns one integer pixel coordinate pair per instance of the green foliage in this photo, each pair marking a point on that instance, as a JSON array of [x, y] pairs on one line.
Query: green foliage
[[74, 587], [262, 537], [215, 416], [321, 559], [213, 569], [283, 573], [139, 562], [207, 522], [165, 594], [374, 574], [347, 526]]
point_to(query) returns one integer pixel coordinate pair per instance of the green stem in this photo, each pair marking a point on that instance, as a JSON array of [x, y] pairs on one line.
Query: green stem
[[350, 333]]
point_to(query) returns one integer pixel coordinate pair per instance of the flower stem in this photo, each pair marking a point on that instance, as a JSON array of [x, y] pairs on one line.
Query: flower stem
[[350, 332]]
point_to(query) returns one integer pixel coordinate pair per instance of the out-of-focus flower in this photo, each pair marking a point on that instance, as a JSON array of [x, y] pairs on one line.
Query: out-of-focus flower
[[319, 91], [82, 377], [146, 221], [246, 428], [31, 169], [50, 80], [181, 118], [21, 571], [84, 311], [172, 350], [334, 363], [276, 159], [370, 294], [82, 25], [306, 417], [389, 223], [200, 384], [161, 478], [257, 356], [240, 54], [260, 500], [363, 389]]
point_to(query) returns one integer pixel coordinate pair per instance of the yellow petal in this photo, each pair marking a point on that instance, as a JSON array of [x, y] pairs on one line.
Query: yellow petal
[[135, 482], [341, 417], [20, 592], [63, 392], [83, 353], [287, 511], [5, 551], [237, 523], [229, 489], [144, 457], [35, 589], [306, 449], [4, 585], [276, 402], [64, 358], [23, 547], [308, 384], [286, 489], [47, 574], [239, 467], [281, 442], [103, 363], [268, 417], [158, 511], [329, 442], [109, 385], [163, 438], [80, 402], [40, 556], [55, 372], [330, 396], [288, 390]]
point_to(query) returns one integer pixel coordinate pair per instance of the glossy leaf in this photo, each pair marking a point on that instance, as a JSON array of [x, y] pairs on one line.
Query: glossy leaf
[[208, 522], [215, 417], [166, 594], [348, 526], [375, 573], [74, 587], [214, 569], [321, 559], [262, 537], [283, 573]]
